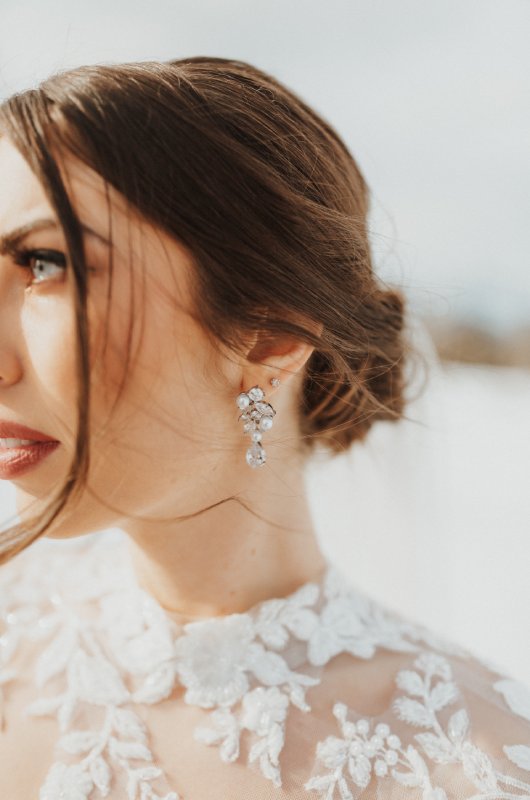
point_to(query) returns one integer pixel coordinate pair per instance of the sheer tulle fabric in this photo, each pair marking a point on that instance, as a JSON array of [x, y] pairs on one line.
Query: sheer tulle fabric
[[323, 694]]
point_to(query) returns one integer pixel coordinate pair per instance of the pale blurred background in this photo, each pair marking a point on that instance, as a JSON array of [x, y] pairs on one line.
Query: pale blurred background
[[431, 516]]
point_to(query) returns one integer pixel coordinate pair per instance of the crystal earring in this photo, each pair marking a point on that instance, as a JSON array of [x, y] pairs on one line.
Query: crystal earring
[[257, 416]]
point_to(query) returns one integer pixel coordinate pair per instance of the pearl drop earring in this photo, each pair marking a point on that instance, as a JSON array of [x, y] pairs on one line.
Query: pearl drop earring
[[257, 416]]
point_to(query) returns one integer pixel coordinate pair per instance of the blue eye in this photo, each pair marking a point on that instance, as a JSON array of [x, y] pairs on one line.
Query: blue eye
[[42, 259]]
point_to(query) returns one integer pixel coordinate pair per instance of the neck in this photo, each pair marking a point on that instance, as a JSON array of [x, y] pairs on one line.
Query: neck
[[227, 559]]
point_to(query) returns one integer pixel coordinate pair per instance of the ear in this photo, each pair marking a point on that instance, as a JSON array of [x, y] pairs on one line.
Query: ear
[[276, 356]]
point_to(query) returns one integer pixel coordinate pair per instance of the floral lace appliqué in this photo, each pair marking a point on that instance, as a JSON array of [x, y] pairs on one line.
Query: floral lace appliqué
[[360, 753], [246, 669]]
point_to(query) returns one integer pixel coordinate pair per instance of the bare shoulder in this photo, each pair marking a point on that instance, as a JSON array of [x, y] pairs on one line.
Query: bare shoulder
[[445, 723]]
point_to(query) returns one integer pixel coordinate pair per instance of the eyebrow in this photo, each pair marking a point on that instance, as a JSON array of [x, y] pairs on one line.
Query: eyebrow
[[10, 240]]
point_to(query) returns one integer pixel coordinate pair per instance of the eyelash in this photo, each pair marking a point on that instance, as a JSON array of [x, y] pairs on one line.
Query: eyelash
[[23, 256]]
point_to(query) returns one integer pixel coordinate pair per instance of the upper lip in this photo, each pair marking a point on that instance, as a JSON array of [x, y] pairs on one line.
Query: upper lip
[[13, 430]]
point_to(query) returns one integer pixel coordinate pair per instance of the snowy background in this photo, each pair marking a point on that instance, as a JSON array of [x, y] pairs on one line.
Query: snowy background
[[432, 516]]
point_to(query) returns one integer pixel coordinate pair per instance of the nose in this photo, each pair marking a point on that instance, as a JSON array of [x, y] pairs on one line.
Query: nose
[[10, 371]]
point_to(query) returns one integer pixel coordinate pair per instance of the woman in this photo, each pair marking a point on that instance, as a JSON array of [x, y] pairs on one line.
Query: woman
[[188, 311]]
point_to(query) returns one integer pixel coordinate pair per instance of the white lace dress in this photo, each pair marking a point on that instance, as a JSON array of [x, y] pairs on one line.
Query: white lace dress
[[321, 695]]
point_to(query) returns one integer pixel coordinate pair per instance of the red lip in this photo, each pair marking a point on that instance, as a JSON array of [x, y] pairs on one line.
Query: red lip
[[12, 430], [15, 461]]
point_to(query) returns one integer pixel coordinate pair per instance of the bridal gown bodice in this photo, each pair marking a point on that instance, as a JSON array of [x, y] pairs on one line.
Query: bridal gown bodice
[[321, 695]]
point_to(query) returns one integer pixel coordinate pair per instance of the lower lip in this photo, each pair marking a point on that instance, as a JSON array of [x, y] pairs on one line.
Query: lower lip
[[16, 460]]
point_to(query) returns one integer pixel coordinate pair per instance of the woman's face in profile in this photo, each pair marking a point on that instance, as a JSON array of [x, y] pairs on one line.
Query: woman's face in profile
[[149, 456]]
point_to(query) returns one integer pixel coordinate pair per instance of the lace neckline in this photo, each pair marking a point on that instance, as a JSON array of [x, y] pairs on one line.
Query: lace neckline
[[181, 619], [247, 668]]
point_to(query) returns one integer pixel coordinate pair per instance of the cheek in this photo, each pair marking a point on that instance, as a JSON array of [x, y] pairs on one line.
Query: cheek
[[161, 401], [164, 408], [50, 338]]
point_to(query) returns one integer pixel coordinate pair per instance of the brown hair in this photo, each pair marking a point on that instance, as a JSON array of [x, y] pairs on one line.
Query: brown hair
[[269, 201]]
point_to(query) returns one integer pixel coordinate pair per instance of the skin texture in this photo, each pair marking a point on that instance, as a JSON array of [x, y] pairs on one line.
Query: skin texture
[[174, 444]]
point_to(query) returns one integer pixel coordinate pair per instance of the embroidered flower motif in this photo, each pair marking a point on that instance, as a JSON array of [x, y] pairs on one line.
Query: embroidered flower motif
[[263, 708], [264, 712], [353, 623], [340, 627], [218, 659], [277, 619], [212, 659], [359, 756], [138, 630], [140, 637]]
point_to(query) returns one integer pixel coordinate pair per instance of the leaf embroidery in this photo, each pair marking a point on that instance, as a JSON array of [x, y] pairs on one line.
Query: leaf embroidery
[[517, 697], [349, 759]]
